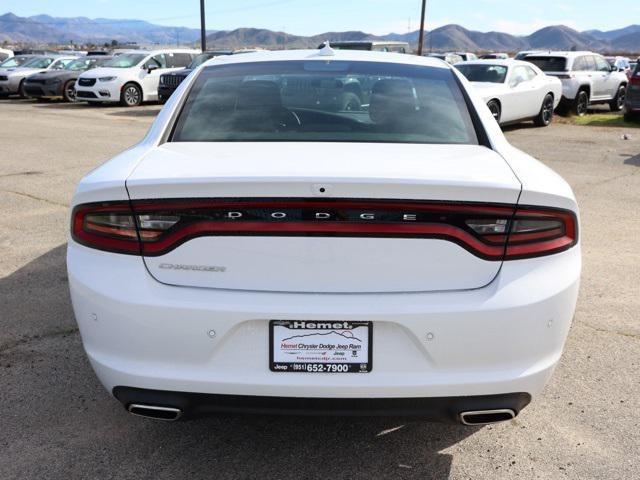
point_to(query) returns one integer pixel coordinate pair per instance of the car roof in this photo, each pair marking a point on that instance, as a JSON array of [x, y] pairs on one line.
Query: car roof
[[368, 42], [161, 50], [548, 53], [325, 54], [506, 62]]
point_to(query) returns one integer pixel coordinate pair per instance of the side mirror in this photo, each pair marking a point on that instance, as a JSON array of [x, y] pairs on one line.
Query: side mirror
[[151, 68]]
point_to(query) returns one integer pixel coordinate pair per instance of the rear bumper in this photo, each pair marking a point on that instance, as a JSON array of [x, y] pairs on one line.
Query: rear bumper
[[504, 338], [445, 409]]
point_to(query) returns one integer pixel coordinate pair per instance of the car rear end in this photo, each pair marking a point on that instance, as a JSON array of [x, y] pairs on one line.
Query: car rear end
[[559, 66], [311, 275], [632, 99]]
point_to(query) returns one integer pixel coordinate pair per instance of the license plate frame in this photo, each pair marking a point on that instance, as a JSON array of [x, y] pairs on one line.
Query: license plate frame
[[321, 359]]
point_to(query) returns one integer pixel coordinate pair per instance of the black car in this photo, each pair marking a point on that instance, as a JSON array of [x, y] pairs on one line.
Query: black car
[[632, 98], [169, 82], [61, 82]]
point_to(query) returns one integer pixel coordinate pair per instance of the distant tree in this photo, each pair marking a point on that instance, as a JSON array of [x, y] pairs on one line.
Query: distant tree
[[114, 43]]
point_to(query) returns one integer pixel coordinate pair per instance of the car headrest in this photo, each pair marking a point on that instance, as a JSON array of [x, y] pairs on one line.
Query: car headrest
[[392, 99], [258, 95]]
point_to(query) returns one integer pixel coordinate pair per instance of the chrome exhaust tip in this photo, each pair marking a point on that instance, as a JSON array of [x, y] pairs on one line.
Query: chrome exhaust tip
[[487, 417], [167, 414]]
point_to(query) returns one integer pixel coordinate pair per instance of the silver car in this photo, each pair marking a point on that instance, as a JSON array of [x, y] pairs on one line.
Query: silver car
[[587, 79], [12, 79]]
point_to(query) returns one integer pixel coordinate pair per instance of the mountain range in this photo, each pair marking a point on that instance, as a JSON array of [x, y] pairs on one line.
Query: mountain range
[[41, 29]]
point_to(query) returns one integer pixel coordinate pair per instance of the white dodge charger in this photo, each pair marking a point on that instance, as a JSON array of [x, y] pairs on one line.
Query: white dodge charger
[[326, 232], [514, 91]]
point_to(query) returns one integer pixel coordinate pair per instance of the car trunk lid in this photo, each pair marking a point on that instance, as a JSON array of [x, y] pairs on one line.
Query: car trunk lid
[[325, 218]]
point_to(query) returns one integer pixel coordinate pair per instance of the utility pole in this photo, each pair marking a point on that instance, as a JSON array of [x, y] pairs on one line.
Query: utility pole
[[203, 28], [421, 37]]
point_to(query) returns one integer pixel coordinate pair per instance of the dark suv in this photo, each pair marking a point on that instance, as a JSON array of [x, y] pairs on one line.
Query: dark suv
[[61, 82], [632, 99], [169, 82]]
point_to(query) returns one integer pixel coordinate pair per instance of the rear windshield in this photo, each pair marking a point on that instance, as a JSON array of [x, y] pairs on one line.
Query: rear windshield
[[548, 64], [325, 101], [484, 73]]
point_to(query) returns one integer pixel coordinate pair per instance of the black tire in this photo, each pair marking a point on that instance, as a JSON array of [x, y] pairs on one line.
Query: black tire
[[131, 95], [581, 103], [69, 91], [21, 92], [629, 117], [496, 111], [545, 116], [617, 104]]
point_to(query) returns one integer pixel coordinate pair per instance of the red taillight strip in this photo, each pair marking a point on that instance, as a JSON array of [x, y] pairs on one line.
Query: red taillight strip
[[379, 230], [447, 227]]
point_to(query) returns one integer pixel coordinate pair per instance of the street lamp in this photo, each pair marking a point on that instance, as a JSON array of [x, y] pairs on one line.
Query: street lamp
[[421, 37], [203, 28]]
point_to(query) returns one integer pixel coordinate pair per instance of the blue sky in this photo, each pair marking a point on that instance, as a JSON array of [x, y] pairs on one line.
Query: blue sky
[[305, 17]]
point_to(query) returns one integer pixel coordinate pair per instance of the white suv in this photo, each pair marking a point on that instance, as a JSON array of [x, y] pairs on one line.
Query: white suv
[[131, 78], [587, 79]]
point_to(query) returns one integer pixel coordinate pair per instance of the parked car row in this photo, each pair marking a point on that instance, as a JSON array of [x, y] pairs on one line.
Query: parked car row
[[532, 88], [128, 78], [61, 82], [515, 90], [12, 80]]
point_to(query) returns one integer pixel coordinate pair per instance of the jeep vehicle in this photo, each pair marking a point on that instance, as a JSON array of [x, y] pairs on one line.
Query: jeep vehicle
[[587, 79]]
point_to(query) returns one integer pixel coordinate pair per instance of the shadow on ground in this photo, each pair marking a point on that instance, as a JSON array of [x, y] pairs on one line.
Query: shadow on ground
[[138, 112], [63, 424], [632, 159]]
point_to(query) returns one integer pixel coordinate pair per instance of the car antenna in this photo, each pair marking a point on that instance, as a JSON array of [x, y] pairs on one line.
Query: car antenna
[[326, 50]]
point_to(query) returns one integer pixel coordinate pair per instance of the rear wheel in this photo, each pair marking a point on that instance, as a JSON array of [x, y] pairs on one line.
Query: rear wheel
[[69, 91], [581, 103], [545, 117], [617, 104], [131, 95], [495, 109]]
